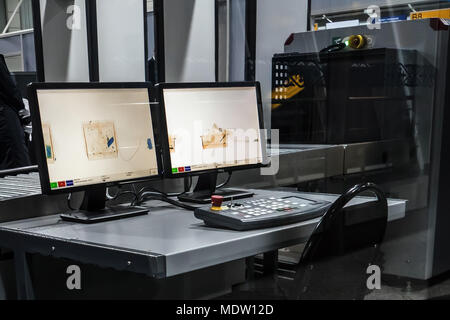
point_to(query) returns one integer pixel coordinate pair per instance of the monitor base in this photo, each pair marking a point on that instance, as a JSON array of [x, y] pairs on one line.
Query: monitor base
[[106, 214], [204, 197]]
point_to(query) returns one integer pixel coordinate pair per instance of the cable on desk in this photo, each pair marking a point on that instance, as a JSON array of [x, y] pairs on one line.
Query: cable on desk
[[133, 186], [119, 194], [226, 181], [110, 197], [186, 190], [139, 199], [125, 193], [156, 196]]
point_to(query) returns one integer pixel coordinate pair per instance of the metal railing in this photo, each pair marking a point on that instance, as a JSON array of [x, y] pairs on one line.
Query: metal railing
[[10, 20]]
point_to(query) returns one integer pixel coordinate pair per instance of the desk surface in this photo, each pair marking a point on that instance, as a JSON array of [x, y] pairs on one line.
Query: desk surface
[[166, 242]]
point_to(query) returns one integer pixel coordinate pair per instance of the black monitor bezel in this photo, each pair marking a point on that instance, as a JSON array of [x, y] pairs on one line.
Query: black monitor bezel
[[38, 137], [164, 131]]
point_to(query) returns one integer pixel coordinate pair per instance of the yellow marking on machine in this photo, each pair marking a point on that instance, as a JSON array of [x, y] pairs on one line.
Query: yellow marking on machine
[[441, 13], [295, 85]]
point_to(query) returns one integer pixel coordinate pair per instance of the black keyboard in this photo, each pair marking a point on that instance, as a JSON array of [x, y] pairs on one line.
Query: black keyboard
[[262, 213]]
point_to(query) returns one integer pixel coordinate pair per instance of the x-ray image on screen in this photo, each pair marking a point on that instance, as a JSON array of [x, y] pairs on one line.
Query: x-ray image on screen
[[93, 136], [211, 128]]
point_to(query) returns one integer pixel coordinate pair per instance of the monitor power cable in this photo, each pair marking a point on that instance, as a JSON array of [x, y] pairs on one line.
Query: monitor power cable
[[167, 195], [220, 186], [69, 198], [160, 197], [123, 194]]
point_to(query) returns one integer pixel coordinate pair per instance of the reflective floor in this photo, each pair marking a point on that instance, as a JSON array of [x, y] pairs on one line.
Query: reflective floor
[[440, 290]]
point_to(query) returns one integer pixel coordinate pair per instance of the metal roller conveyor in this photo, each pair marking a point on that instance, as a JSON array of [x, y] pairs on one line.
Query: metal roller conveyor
[[22, 185], [21, 196], [18, 186]]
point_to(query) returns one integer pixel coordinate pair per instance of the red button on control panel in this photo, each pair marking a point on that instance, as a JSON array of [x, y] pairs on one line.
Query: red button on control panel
[[217, 201]]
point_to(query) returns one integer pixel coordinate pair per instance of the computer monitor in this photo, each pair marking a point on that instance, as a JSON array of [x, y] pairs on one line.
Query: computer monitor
[[91, 135], [211, 128]]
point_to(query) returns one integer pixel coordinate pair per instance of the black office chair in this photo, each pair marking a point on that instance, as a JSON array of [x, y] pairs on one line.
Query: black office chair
[[335, 259]]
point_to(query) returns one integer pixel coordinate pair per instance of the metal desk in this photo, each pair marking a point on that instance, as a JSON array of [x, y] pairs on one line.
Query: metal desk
[[164, 243]]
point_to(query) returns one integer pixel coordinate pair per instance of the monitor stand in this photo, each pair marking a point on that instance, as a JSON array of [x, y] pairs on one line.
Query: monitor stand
[[206, 187], [93, 209]]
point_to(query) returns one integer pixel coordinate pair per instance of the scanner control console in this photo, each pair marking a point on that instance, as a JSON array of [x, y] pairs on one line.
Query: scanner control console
[[260, 213]]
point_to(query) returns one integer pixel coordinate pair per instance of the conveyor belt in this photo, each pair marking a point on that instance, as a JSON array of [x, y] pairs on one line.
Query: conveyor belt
[[19, 186], [21, 196], [294, 164]]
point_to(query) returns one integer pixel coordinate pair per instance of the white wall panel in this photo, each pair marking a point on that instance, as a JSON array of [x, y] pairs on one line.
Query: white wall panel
[[189, 40], [121, 44], [64, 44]]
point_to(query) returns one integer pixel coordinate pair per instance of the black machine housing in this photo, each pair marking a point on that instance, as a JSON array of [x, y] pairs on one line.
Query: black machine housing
[[344, 97]]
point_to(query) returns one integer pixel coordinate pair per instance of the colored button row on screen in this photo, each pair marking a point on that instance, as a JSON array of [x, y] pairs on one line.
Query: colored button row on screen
[[181, 169], [61, 184]]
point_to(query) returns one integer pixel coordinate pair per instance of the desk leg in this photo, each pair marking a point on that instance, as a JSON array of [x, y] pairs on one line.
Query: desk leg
[[270, 262], [23, 278], [250, 268]]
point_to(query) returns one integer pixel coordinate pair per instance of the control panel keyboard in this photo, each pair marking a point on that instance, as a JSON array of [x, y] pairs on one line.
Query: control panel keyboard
[[260, 213]]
